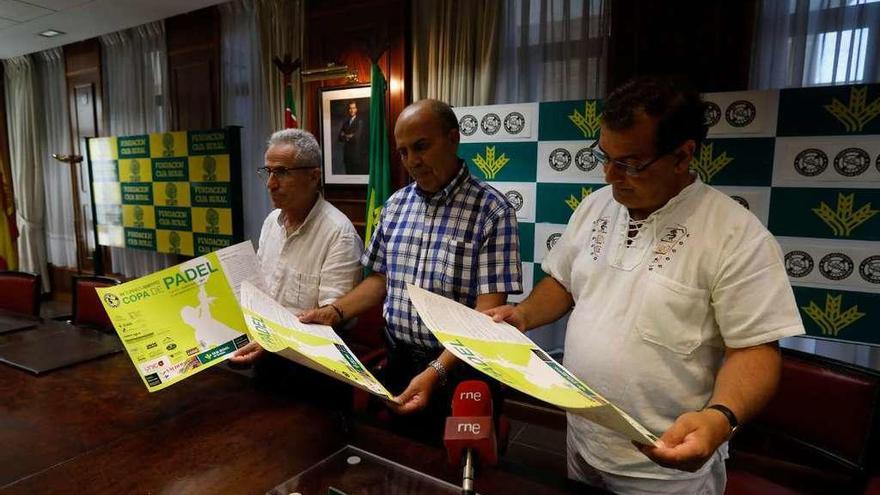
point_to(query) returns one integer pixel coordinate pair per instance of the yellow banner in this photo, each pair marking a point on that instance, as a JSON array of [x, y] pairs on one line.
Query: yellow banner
[[135, 170], [137, 216], [174, 242], [209, 168], [212, 220], [171, 193], [168, 144]]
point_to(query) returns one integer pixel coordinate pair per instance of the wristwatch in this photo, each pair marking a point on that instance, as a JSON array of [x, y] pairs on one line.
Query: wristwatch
[[731, 418], [441, 371]]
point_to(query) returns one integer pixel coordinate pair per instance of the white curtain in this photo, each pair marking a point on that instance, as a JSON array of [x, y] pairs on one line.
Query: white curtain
[[816, 42], [552, 50], [455, 50], [136, 100], [55, 138], [245, 104], [280, 28], [23, 121]]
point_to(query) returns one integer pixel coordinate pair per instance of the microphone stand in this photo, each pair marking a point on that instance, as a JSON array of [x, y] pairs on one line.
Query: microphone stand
[[467, 476]]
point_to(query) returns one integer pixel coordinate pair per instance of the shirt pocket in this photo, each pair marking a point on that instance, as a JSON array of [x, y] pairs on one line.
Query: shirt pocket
[[301, 291], [672, 315], [457, 265]]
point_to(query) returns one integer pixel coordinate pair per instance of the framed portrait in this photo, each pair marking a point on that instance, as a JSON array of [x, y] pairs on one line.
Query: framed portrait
[[345, 134]]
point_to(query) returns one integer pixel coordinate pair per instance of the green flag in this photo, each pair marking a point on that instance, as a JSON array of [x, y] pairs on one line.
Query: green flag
[[379, 185]]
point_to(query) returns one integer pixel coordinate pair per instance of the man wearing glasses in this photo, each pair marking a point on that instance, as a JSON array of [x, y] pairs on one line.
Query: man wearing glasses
[[309, 251], [678, 297]]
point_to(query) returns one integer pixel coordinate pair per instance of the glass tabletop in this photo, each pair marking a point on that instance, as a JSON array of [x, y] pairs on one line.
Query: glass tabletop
[[352, 471]]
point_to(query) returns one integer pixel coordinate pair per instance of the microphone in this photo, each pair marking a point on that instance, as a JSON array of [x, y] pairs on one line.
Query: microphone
[[470, 431]]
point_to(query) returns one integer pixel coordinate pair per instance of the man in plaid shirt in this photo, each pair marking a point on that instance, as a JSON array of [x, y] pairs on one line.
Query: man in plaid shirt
[[447, 232]]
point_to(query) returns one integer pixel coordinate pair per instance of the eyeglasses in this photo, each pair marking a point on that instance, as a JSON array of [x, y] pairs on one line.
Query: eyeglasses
[[278, 172], [603, 159]]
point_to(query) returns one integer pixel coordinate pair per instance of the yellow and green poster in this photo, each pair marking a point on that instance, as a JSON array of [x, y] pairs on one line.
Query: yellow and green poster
[[315, 346], [183, 319], [502, 352]]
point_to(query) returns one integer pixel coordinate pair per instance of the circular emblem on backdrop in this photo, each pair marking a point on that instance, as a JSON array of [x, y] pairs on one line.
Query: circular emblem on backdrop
[[869, 269], [585, 160], [111, 300], [798, 264], [559, 159], [836, 266], [551, 241], [467, 125], [491, 123], [877, 163], [515, 199], [740, 113], [514, 122], [741, 200], [712, 114], [852, 162], [811, 162]]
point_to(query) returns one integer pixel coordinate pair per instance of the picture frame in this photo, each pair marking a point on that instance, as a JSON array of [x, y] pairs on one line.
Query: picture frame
[[344, 116]]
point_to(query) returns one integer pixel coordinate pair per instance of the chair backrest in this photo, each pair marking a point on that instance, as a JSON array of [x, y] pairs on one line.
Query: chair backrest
[[87, 307], [827, 404], [20, 292], [819, 432]]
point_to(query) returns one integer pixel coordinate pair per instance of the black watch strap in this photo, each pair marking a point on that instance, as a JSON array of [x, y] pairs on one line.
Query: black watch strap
[[731, 418]]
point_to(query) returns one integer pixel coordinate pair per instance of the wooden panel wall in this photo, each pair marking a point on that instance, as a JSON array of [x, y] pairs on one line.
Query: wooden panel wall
[[710, 43], [341, 31], [193, 42]]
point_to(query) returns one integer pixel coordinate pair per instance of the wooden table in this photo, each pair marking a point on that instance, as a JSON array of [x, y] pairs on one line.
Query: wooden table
[[93, 428], [14, 322]]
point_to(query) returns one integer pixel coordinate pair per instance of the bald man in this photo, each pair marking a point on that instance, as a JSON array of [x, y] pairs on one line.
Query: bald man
[[447, 232]]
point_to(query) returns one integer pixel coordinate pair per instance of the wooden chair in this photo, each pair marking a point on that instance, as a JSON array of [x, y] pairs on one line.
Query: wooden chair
[[21, 292], [87, 308]]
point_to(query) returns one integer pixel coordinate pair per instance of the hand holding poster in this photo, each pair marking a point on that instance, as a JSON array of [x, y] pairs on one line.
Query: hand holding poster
[[505, 354], [183, 319], [315, 346]]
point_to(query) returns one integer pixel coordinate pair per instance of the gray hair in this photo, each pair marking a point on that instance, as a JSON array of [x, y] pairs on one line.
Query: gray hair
[[308, 152]]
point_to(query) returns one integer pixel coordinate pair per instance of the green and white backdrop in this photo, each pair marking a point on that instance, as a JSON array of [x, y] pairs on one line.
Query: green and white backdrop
[[805, 161]]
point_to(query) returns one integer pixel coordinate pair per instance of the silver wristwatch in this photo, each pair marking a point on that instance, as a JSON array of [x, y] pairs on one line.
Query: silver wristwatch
[[441, 371]]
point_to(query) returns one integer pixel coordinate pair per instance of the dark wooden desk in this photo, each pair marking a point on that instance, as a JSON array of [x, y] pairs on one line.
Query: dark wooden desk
[[14, 322], [94, 428]]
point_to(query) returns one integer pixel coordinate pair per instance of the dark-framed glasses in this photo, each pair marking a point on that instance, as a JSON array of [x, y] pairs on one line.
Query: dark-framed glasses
[[278, 172], [631, 169]]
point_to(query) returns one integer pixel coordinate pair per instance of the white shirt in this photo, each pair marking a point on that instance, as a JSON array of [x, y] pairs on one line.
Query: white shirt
[[653, 314], [313, 265]]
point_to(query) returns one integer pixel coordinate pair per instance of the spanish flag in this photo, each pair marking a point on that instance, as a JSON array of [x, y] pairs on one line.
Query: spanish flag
[[8, 231]]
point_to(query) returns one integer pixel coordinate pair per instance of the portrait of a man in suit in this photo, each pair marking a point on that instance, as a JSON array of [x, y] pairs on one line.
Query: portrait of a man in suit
[[353, 137]]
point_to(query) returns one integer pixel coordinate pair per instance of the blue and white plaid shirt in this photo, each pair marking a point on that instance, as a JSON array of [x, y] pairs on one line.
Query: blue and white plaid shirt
[[459, 242]]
